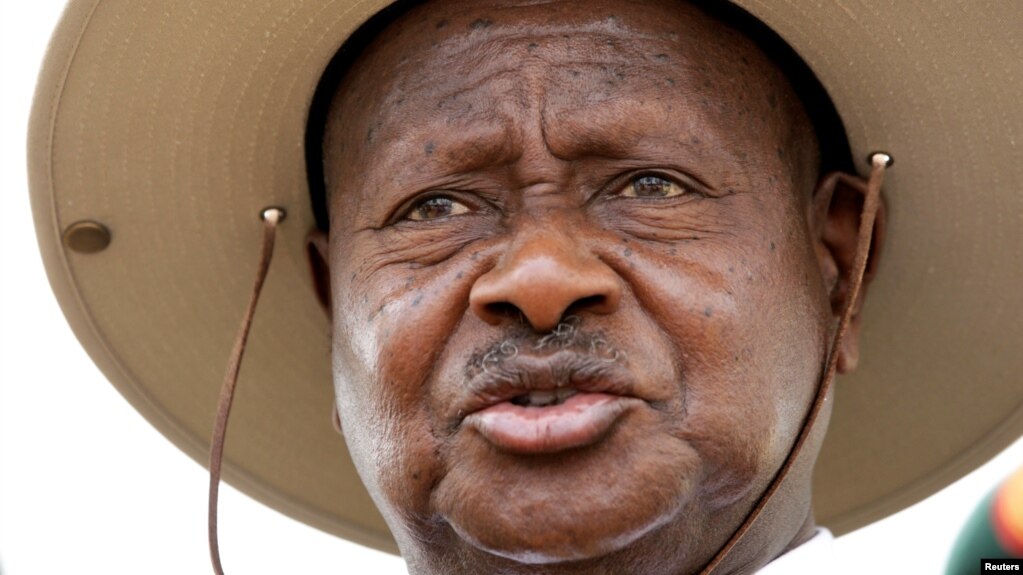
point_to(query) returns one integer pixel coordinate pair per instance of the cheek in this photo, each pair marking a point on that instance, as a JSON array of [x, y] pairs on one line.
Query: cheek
[[776, 339], [745, 323], [386, 342]]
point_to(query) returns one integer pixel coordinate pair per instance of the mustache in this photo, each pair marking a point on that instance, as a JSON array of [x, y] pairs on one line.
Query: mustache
[[589, 351]]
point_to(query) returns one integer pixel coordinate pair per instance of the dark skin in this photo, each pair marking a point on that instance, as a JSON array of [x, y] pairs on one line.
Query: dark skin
[[637, 171]]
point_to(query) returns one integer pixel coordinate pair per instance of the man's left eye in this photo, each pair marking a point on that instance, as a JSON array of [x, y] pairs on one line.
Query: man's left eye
[[652, 187]]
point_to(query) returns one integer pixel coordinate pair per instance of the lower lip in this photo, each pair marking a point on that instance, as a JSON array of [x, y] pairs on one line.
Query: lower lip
[[581, 420]]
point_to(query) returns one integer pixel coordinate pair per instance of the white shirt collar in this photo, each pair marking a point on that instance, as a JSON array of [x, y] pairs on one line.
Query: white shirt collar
[[811, 558]]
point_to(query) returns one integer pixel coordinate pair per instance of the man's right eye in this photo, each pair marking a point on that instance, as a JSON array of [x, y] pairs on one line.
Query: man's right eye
[[435, 208]]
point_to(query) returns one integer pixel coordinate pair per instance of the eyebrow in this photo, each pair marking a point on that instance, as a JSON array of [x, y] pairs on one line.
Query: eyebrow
[[498, 144], [452, 148]]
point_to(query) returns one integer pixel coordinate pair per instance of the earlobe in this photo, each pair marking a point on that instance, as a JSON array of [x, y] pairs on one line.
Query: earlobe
[[836, 209], [317, 250]]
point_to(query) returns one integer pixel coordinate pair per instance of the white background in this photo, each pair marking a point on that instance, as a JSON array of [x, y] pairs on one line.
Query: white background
[[86, 486]]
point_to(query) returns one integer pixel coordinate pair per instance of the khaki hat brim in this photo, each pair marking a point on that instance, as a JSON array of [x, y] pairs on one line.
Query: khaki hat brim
[[175, 124]]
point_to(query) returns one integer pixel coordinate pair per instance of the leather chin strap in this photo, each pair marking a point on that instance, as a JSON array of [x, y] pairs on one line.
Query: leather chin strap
[[879, 161], [273, 216]]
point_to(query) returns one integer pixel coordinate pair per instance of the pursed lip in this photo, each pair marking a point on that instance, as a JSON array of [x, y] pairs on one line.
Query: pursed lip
[[564, 369]]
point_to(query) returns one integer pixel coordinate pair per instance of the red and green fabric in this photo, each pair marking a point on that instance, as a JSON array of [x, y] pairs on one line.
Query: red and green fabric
[[995, 530]]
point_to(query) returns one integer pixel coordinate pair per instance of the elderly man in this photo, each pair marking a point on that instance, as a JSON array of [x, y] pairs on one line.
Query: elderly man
[[588, 267], [583, 268]]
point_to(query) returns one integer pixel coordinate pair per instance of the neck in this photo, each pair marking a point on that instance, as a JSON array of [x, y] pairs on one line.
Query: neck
[[787, 520]]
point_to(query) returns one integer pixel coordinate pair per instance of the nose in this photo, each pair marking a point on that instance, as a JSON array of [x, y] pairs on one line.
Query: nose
[[545, 278]]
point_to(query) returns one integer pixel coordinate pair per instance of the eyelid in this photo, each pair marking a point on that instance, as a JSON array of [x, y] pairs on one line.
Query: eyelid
[[689, 184], [401, 213], [456, 208]]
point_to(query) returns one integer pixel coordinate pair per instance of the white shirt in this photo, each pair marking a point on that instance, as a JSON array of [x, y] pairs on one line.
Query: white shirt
[[814, 557]]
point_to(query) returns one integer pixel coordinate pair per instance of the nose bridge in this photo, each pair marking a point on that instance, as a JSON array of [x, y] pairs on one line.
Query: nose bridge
[[546, 274]]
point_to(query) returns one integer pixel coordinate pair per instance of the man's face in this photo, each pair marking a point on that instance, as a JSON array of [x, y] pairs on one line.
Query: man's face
[[577, 311]]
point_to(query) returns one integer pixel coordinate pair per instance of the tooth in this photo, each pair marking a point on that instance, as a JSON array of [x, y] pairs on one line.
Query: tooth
[[542, 398], [565, 393]]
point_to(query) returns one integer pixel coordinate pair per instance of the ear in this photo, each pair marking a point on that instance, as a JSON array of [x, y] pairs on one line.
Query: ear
[[317, 250], [835, 220]]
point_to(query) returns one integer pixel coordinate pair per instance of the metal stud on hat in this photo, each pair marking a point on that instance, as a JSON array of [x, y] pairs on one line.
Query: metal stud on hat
[[86, 237]]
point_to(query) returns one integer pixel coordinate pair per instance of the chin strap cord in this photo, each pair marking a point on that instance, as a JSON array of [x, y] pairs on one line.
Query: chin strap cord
[[879, 162], [271, 217]]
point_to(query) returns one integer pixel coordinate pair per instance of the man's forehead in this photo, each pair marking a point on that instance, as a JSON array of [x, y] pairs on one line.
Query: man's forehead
[[452, 35], [448, 66], [610, 49]]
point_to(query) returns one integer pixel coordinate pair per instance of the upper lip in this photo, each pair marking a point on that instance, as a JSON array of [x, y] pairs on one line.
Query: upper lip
[[523, 374]]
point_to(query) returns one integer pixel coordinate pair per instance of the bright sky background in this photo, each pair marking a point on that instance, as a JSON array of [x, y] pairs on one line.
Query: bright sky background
[[86, 486]]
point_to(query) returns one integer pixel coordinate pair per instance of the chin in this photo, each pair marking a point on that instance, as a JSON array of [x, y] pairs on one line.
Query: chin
[[572, 506], [559, 542]]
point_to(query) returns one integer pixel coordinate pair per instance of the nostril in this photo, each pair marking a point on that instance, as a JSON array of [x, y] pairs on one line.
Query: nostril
[[503, 310], [543, 286], [593, 302]]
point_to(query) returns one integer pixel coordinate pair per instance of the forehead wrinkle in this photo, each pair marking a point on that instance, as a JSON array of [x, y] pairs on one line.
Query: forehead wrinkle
[[606, 125], [491, 142], [532, 82], [590, 45], [468, 132], [458, 87]]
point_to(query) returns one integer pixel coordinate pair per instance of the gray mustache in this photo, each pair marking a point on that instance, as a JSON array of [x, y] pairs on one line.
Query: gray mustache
[[589, 350]]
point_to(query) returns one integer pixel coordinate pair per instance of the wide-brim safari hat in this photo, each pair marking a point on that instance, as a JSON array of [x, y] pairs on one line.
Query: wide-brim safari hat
[[161, 130]]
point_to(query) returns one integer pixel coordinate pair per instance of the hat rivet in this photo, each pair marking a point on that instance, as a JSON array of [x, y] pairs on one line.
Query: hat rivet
[[86, 237], [279, 213], [881, 156]]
